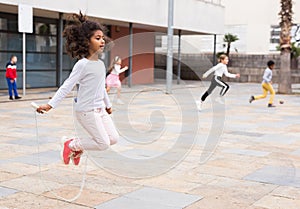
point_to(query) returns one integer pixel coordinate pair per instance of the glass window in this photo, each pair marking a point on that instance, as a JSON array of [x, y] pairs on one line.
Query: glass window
[[37, 43], [3, 23], [8, 22], [5, 57], [41, 51], [40, 79], [68, 62], [40, 61], [45, 29], [10, 41], [3, 84]]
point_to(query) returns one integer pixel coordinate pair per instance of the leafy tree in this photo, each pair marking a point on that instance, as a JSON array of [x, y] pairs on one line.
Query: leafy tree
[[295, 50]]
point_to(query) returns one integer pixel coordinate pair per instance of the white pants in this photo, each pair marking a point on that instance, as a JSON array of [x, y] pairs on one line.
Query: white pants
[[100, 128]]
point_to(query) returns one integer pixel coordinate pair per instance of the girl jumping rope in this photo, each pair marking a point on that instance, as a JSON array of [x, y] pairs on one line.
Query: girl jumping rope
[[113, 79], [85, 40], [218, 70]]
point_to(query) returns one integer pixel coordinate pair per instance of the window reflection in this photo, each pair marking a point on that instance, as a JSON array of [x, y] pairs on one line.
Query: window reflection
[[41, 51]]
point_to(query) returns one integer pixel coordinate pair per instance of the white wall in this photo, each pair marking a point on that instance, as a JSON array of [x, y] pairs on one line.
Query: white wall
[[254, 11], [53, 5], [189, 15], [251, 21], [257, 16], [199, 16]]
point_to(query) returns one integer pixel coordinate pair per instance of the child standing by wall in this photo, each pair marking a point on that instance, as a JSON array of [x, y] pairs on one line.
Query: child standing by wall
[[266, 85], [218, 70], [113, 79], [11, 77], [85, 41]]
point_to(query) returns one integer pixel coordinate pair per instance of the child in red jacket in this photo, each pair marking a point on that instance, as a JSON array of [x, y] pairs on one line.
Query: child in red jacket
[[11, 77]]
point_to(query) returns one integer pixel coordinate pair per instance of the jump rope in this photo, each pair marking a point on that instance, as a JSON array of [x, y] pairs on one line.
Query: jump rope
[[35, 106]]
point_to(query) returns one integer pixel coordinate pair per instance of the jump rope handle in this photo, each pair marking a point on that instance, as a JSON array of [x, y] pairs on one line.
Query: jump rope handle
[[35, 106]]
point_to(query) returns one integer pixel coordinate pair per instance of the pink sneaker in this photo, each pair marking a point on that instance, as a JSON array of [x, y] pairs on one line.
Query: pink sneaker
[[67, 152], [76, 157]]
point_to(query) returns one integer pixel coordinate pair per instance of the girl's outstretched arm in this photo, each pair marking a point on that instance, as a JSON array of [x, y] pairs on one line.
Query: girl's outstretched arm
[[122, 69]]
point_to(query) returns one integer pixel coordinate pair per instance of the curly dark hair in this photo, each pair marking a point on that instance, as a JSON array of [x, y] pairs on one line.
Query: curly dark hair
[[78, 32]]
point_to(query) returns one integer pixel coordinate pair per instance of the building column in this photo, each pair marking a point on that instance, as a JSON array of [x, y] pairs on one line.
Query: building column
[[59, 53], [179, 58], [169, 72], [215, 50], [130, 54]]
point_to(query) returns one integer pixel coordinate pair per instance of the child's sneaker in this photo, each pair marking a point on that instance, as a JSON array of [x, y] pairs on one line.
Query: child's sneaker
[[271, 105], [67, 153], [199, 105], [76, 157], [251, 99]]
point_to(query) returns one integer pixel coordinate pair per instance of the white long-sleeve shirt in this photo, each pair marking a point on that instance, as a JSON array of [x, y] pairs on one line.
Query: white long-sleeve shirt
[[90, 75], [267, 77], [117, 69], [220, 70]]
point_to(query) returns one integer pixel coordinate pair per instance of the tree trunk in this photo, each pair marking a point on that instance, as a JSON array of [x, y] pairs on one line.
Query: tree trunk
[[228, 49], [284, 82], [286, 16]]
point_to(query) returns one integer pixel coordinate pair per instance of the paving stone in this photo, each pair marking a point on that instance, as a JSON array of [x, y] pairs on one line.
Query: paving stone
[[284, 176], [169, 183], [129, 203], [32, 141], [7, 175], [278, 138], [25, 200], [288, 192], [152, 198], [86, 196], [249, 141], [19, 169], [42, 158], [140, 154], [246, 133], [31, 184], [275, 202], [6, 191], [5, 161], [247, 152], [296, 152]]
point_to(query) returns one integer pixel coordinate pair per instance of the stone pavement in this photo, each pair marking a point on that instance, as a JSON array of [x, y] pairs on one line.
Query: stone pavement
[[170, 156]]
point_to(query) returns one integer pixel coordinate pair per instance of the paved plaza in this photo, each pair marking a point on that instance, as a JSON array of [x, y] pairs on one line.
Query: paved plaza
[[234, 155]]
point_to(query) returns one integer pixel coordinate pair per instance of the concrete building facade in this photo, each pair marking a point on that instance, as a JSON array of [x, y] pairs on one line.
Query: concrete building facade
[[128, 21], [256, 23]]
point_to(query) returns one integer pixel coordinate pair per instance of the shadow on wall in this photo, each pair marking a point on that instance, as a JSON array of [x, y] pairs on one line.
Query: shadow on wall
[[192, 66]]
